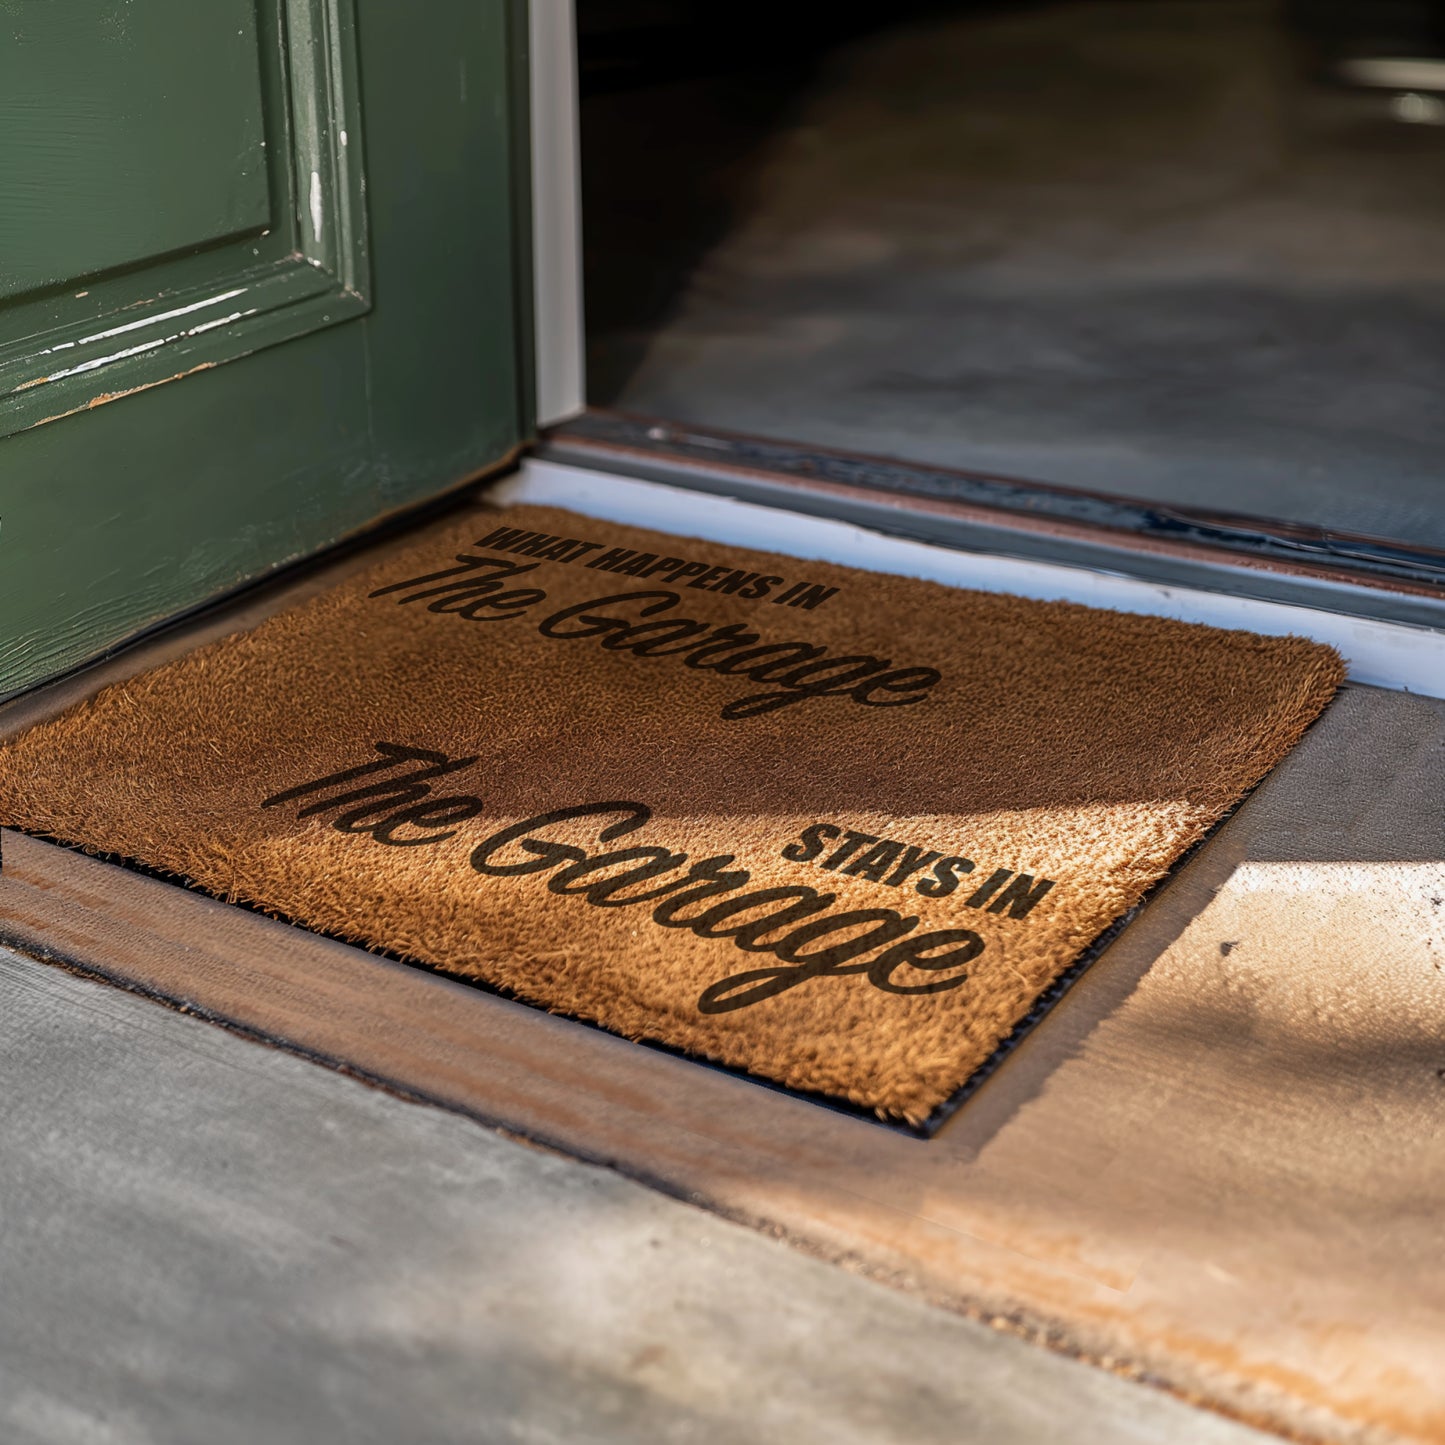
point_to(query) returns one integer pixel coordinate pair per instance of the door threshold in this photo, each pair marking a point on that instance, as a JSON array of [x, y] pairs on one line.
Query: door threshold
[[1273, 561], [1380, 651]]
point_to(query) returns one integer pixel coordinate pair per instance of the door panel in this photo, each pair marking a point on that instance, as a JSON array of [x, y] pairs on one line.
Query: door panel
[[179, 192], [129, 132], [197, 385]]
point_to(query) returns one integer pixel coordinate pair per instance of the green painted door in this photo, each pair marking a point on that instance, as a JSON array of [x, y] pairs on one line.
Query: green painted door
[[262, 282]]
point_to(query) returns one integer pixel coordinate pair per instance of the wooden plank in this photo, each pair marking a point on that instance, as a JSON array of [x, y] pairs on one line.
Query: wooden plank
[[1217, 1162], [1212, 1164], [297, 1259]]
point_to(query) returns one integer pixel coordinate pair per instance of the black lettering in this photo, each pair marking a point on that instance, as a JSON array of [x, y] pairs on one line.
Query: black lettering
[[636, 566], [602, 626], [547, 854], [813, 841], [911, 953], [1020, 896], [501, 540], [986, 890], [944, 878], [494, 567], [889, 926], [607, 894], [434, 813], [876, 861], [614, 557], [454, 597], [714, 878], [791, 671], [914, 680], [657, 634], [708, 898], [653, 862], [833, 676], [502, 606], [724, 639], [706, 579], [382, 797], [732, 581], [755, 985], [783, 654], [852, 842], [688, 569], [913, 860], [391, 755], [812, 596], [802, 903], [379, 804]]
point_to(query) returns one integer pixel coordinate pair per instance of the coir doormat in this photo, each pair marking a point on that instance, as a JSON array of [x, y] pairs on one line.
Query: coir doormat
[[837, 829]]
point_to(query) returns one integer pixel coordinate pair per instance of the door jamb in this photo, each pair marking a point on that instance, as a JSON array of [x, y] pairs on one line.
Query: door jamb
[[556, 212]]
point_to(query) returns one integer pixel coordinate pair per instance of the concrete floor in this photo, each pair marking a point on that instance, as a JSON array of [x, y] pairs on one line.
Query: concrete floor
[[1120, 244], [1234, 1113], [205, 1239], [1214, 1159]]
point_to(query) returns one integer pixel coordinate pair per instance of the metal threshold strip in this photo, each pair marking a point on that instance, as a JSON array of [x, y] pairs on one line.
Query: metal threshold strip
[[1388, 639], [1173, 546]]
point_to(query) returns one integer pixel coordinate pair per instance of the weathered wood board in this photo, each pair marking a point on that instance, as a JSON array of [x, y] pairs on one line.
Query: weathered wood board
[[1218, 1162]]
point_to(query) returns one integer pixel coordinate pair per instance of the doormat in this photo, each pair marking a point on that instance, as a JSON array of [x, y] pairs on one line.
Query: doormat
[[835, 829]]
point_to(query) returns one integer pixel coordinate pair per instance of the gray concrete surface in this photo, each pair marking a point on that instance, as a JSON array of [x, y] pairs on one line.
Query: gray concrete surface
[[205, 1240], [1123, 245]]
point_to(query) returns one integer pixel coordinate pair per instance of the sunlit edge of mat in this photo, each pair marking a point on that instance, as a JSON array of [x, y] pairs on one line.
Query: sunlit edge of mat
[[1047, 999]]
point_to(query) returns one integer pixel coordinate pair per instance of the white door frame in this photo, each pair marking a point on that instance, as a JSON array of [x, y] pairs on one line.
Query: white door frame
[[556, 212]]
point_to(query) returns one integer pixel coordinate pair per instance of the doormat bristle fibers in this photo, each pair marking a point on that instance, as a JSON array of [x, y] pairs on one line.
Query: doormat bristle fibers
[[836, 829]]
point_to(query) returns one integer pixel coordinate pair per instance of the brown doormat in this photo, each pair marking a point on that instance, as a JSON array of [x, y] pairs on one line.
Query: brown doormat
[[837, 829]]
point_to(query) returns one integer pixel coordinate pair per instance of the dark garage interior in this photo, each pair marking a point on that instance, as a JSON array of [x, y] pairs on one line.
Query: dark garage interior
[[1180, 251]]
